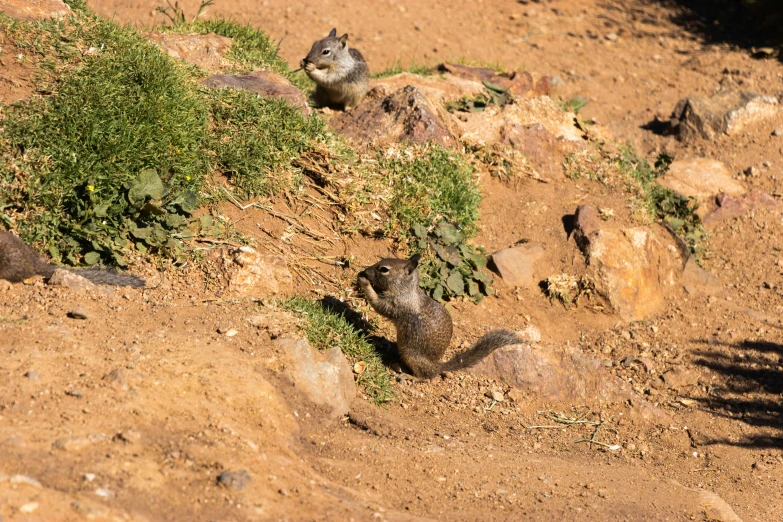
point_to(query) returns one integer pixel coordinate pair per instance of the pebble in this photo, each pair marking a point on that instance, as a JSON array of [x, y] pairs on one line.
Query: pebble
[[223, 329], [778, 132], [495, 395], [612, 37], [74, 393], [77, 313], [556, 81], [235, 480], [32, 375], [232, 333], [767, 164], [29, 507], [752, 172]]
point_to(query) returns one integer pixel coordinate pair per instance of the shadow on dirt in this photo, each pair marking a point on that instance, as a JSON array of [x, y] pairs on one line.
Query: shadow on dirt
[[752, 393], [386, 348], [742, 23]]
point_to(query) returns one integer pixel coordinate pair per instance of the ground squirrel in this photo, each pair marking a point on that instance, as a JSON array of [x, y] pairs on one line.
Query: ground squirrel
[[18, 262], [423, 325], [341, 74]]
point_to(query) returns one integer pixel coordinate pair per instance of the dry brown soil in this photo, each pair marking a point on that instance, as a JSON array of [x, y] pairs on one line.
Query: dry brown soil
[[133, 412]]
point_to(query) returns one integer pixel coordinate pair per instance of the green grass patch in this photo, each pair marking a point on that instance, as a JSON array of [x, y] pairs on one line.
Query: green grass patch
[[126, 110], [398, 68], [256, 139], [432, 184], [325, 328], [679, 212]]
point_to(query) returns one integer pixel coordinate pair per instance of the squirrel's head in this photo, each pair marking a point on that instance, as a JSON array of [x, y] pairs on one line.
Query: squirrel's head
[[392, 274], [325, 51]]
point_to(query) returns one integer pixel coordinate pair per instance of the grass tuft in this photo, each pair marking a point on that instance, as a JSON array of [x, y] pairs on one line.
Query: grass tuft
[[325, 329]]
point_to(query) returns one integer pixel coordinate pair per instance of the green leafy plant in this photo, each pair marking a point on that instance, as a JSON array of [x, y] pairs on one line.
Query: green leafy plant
[[678, 212], [325, 328], [452, 267], [575, 104]]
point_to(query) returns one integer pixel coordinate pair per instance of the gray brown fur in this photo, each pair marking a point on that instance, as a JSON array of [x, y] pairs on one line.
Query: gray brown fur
[[423, 325], [340, 73], [19, 262]]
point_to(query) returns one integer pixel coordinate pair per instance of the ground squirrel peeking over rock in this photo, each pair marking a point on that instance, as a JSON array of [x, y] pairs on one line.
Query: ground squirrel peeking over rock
[[19, 262], [340, 73], [423, 325]]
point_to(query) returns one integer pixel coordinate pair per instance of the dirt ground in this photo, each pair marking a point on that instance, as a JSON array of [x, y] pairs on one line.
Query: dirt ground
[[132, 413]]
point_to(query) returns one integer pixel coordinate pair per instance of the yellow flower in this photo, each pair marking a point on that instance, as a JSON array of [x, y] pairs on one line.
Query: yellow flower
[[90, 188], [187, 178]]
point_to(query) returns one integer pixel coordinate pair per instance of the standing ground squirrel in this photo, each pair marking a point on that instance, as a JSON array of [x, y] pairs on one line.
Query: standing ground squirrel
[[18, 262], [340, 73], [423, 325]]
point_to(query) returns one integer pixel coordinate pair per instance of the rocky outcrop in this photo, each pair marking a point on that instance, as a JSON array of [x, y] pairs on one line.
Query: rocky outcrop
[[324, 377], [403, 115], [700, 178], [731, 206], [264, 83], [630, 267], [206, 51], [34, 9], [727, 112]]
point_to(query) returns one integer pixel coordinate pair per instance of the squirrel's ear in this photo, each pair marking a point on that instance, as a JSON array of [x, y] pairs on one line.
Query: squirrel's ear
[[333, 32], [413, 263], [343, 39]]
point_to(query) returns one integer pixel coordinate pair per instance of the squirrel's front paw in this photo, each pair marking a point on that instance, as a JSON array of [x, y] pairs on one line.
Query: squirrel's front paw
[[363, 283]]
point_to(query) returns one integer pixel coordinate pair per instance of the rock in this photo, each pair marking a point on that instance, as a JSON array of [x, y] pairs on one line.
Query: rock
[[730, 206], [326, 378], [544, 152], [557, 373], [259, 275], [264, 83], [77, 313], [206, 51], [777, 132], [700, 178], [630, 267], [515, 265], [520, 84], [727, 112], [488, 127], [404, 115], [235, 480], [34, 9], [116, 378], [695, 279], [612, 37], [77, 443], [72, 280], [679, 377], [32, 375]]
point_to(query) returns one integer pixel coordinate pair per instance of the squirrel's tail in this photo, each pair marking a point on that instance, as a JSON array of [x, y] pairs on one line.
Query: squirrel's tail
[[101, 276], [488, 343]]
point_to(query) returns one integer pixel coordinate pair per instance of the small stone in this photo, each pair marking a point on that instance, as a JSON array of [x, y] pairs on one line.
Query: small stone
[[116, 378], [29, 507], [515, 394], [77, 443], [612, 37], [752, 172], [235, 480], [77, 313], [516, 265], [283, 491], [129, 436], [777, 132], [223, 330], [74, 393], [89, 477], [766, 164], [758, 466], [360, 367], [231, 333], [495, 395], [32, 375]]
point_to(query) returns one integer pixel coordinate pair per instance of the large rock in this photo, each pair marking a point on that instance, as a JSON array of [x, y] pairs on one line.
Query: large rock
[[520, 84], [252, 274], [206, 51], [700, 178], [403, 115], [630, 267], [264, 83], [730, 206], [324, 377], [727, 112], [515, 265], [34, 9], [543, 151], [558, 373]]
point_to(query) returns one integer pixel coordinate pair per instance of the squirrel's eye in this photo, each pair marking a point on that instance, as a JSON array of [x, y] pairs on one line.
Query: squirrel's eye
[[384, 270], [326, 51]]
